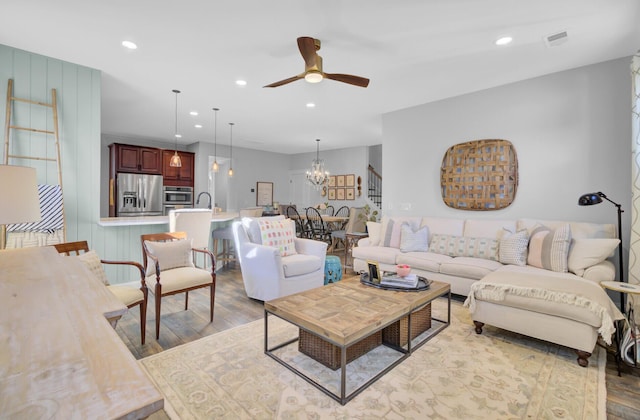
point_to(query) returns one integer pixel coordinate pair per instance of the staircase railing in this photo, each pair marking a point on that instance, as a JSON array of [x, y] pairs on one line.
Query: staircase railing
[[374, 187]]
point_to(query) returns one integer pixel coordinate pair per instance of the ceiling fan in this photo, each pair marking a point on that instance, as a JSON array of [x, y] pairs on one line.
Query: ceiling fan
[[313, 67]]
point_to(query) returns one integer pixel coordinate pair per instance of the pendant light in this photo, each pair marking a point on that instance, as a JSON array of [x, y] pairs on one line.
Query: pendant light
[[175, 161], [317, 176], [231, 150], [215, 167]]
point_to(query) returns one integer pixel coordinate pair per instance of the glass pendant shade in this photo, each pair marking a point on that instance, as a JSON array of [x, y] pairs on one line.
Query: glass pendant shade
[[215, 167], [175, 161], [231, 149], [318, 176]]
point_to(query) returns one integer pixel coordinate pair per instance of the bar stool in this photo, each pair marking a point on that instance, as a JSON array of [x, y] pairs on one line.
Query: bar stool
[[195, 222], [227, 255]]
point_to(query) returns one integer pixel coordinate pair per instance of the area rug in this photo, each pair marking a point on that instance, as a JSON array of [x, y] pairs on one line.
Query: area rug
[[456, 375]]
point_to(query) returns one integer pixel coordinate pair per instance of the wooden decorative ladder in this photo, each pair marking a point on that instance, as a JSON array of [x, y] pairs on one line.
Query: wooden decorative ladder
[[46, 133]]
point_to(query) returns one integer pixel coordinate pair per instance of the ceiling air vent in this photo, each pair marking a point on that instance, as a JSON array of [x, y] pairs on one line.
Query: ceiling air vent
[[556, 39]]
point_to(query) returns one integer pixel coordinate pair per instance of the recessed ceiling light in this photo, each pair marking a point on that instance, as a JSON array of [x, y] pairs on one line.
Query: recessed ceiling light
[[241, 82], [504, 40], [129, 44], [198, 126], [194, 113], [311, 105]]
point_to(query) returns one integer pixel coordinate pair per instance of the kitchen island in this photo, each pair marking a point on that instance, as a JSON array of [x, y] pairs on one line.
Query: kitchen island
[[159, 220]]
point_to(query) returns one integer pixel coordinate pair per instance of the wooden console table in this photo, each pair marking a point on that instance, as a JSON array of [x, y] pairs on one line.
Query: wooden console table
[[60, 358]]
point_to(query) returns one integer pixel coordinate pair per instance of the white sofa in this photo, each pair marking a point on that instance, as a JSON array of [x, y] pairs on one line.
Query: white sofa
[[265, 272], [567, 308]]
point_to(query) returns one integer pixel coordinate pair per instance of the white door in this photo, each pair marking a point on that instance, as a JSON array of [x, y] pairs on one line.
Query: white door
[[299, 190]]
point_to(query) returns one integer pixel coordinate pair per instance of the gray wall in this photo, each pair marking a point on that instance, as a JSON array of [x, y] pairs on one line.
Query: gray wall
[[571, 131]]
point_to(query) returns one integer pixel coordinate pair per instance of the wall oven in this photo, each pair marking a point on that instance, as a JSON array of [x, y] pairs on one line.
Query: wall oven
[[177, 198]]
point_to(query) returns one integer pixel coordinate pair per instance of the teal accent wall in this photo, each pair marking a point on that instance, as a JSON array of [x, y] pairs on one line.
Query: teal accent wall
[[78, 92]]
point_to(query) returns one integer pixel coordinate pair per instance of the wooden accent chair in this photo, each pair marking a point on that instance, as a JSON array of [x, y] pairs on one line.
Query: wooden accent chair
[[128, 295], [168, 257]]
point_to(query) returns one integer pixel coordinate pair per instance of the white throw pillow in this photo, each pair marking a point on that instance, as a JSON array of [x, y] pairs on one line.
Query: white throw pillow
[[279, 233], [585, 253], [171, 254], [92, 261], [414, 239], [374, 229], [513, 248]]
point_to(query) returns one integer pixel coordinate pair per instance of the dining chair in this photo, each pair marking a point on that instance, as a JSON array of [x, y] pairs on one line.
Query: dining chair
[[301, 226], [168, 259], [129, 295], [316, 226], [342, 211], [195, 222], [353, 224], [329, 210]]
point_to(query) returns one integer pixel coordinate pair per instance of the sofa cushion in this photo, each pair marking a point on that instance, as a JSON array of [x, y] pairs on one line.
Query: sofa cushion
[[299, 264], [549, 249], [428, 261], [279, 234], [472, 268], [443, 226], [180, 279], [462, 246], [513, 248], [392, 227], [487, 228], [578, 229], [376, 253], [585, 253], [414, 239]]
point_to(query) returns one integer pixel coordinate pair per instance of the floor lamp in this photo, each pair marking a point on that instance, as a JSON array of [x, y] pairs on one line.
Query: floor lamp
[[596, 198]]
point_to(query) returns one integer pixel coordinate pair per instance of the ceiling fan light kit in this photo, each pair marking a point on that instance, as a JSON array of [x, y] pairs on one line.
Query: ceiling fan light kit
[[313, 72]]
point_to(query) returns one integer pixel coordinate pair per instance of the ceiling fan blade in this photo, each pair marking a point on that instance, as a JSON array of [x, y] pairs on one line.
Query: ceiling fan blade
[[307, 47], [348, 78], [285, 81]]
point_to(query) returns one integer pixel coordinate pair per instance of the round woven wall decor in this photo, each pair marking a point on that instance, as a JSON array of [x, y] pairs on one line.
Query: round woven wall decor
[[479, 175]]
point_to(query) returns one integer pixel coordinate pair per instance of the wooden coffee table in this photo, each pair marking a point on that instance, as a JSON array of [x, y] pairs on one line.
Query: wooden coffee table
[[347, 312]]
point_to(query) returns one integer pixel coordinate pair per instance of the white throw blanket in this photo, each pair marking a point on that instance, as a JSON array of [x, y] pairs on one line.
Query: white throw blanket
[[568, 291]]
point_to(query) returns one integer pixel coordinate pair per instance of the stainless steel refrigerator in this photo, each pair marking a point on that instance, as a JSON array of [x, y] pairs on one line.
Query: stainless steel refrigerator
[[139, 195]]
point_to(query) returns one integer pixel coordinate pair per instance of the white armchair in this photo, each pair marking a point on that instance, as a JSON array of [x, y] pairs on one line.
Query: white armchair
[[268, 275]]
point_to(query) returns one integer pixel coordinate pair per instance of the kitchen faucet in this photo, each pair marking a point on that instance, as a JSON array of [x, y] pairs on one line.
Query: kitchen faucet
[[208, 195]]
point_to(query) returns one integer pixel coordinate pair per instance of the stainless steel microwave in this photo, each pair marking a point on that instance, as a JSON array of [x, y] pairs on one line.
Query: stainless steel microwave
[[178, 195]]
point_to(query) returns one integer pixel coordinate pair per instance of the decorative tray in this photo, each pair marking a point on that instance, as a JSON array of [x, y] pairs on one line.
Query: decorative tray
[[423, 284]]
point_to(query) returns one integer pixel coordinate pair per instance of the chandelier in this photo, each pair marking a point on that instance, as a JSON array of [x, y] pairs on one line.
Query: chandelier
[[317, 176]]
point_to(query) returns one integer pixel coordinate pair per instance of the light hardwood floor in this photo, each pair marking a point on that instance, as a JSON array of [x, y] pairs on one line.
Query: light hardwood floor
[[233, 308]]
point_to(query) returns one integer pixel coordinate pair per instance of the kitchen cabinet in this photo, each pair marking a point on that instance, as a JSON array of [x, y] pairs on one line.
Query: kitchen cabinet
[[135, 159], [179, 177]]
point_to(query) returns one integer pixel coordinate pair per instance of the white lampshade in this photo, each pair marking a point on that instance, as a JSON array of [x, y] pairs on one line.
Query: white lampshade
[[19, 195]]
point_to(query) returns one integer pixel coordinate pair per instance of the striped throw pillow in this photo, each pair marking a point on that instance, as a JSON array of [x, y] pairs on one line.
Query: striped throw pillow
[[549, 249], [513, 248], [463, 246]]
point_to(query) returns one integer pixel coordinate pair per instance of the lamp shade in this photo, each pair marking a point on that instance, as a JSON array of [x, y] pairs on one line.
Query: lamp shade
[[19, 194], [590, 199]]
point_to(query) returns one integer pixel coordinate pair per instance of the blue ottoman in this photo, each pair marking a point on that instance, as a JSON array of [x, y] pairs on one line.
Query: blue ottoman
[[332, 269]]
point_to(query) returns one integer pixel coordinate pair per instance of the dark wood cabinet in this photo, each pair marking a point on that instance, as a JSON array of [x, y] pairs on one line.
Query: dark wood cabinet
[[179, 177], [136, 159]]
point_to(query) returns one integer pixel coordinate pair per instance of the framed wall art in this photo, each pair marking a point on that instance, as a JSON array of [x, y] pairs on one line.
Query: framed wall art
[[350, 180], [332, 194], [332, 180], [350, 193], [340, 180], [264, 194], [340, 193]]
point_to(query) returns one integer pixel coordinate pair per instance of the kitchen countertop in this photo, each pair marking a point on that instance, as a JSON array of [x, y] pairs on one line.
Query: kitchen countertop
[[158, 220]]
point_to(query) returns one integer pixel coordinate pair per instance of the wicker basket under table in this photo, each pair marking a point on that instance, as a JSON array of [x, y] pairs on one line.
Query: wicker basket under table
[[329, 354], [396, 333]]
